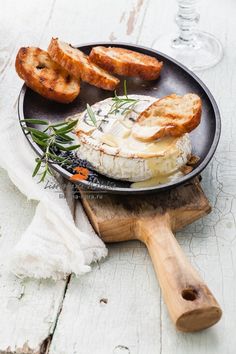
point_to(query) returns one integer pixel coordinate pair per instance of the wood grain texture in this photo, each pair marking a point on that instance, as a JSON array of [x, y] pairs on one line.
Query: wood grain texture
[[28, 308], [134, 317], [210, 243], [115, 309], [115, 218], [191, 305], [152, 219], [23, 23]]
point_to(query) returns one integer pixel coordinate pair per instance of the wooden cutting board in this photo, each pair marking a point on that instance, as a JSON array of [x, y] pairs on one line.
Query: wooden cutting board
[[152, 219]]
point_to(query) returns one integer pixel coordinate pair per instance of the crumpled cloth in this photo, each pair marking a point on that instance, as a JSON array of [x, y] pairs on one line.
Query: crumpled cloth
[[52, 246]]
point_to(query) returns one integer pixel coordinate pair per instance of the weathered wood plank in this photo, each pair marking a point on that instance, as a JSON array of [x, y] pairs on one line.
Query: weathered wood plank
[[209, 243], [28, 308], [37, 304], [130, 318], [95, 21], [114, 309]]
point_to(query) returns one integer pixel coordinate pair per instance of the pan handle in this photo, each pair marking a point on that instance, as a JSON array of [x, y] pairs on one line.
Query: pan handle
[[190, 303]]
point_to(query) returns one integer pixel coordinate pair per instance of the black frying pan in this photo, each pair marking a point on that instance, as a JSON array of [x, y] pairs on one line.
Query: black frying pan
[[175, 78]]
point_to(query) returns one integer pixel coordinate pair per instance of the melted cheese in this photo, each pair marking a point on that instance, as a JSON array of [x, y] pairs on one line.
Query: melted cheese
[[154, 181], [111, 148], [110, 140]]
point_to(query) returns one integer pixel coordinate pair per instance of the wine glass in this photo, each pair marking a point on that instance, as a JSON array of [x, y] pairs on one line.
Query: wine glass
[[195, 49]]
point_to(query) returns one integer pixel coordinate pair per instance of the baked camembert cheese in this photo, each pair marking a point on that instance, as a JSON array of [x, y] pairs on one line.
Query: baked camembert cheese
[[108, 144]]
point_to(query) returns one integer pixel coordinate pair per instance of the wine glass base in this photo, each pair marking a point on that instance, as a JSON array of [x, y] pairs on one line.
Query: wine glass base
[[203, 52]]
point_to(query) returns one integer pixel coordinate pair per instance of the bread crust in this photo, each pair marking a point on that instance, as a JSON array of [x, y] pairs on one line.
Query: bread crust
[[162, 118], [78, 64], [126, 62], [44, 76]]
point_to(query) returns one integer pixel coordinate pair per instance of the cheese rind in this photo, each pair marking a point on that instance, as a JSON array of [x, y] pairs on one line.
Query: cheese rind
[[113, 151]]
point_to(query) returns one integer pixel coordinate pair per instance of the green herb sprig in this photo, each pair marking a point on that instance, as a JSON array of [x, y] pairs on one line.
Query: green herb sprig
[[53, 137], [91, 115], [124, 104]]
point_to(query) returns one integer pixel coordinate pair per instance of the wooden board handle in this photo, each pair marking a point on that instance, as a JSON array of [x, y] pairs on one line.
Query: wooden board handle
[[191, 304]]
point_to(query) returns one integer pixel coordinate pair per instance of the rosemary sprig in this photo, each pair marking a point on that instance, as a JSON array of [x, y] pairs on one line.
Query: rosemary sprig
[[53, 139], [91, 115], [124, 104]]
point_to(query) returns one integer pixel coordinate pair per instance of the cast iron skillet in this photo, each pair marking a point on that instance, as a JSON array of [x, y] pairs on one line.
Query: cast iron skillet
[[175, 78]]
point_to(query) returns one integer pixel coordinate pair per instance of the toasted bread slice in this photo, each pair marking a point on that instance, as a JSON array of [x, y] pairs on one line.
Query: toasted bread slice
[[170, 116], [78, 64], [126, 62], [44, 76]]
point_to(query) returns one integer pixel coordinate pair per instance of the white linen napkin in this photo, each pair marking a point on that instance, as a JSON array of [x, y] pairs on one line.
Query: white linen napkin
[[52, 246]]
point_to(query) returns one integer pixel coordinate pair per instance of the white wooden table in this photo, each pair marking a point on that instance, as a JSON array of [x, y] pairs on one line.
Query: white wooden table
[[70, 317]]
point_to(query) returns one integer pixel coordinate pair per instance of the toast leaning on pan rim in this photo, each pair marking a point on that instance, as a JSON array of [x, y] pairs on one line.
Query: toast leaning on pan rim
[[171, 115]]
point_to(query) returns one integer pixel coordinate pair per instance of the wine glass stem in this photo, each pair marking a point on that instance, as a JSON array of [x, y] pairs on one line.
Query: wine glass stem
[[187, 18]]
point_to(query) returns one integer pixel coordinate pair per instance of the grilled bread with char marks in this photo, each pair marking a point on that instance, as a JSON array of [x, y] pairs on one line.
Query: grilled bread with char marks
[[44, 76], [78, 64], [169, 116], [126, 62]]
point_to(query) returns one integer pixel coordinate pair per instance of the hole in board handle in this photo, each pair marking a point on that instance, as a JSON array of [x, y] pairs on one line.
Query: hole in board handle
[[189, 294]]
